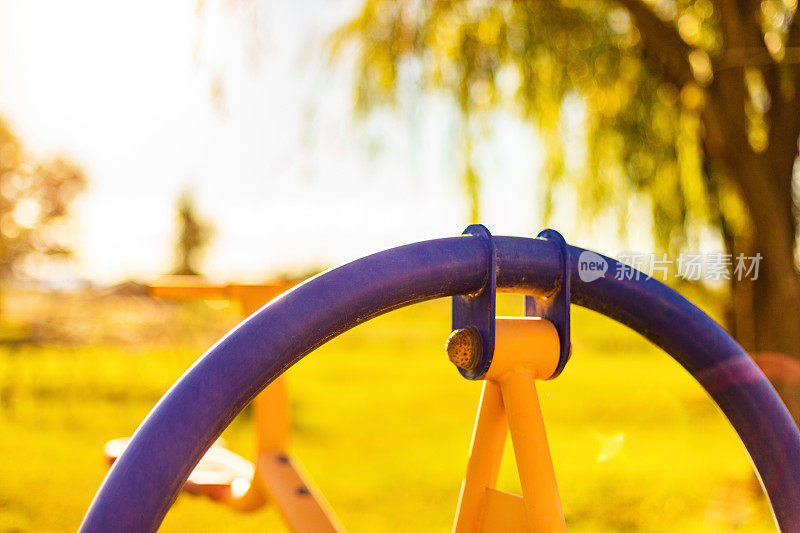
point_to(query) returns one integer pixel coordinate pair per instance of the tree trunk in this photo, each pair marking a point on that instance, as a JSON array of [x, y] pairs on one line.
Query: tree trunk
[[767, 309], [776, 326]]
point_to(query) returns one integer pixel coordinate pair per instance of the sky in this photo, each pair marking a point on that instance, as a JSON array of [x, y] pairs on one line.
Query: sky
[[280, 166]]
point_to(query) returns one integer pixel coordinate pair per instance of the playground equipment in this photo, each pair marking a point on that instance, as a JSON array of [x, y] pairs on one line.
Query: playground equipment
[[508, 354], [223, 475]]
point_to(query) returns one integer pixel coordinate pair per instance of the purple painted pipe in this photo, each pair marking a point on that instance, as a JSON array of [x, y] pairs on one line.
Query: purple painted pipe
[[146, 479]]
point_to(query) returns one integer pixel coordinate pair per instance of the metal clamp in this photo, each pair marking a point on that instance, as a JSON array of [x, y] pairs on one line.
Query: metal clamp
[[555, 306], [474, 314]]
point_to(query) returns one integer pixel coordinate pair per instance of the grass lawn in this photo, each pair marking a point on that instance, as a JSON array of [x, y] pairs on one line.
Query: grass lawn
[[637, 445]]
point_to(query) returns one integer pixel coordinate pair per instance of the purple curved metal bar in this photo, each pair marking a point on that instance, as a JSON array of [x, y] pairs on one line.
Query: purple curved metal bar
[[146, 479]]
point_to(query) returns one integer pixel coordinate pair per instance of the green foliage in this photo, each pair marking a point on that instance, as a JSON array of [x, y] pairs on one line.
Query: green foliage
[[643, 134], [35, 200]]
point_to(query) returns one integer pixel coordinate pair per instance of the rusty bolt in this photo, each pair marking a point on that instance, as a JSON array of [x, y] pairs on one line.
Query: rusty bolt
[[464, 347]]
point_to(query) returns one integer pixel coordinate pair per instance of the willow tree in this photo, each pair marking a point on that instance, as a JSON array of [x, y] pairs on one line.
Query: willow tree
[[692, 109]]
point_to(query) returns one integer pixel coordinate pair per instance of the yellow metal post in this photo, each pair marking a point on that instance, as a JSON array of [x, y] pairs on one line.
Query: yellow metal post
[[302, 506], [486, 452], [271, 410], [535, 467]]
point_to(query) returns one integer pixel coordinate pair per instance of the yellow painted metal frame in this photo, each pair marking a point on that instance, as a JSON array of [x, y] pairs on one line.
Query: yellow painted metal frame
[[277, 478], [526, 349]]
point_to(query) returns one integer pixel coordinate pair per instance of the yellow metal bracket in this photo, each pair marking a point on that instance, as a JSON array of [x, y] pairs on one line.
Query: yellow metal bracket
[[526, 349]]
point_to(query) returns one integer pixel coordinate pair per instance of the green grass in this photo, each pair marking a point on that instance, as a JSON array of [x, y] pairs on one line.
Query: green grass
[[637, 445]]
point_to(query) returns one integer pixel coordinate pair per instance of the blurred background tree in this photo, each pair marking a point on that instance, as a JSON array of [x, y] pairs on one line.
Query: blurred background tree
[[692, 109], [194, 236], [35, 201]]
